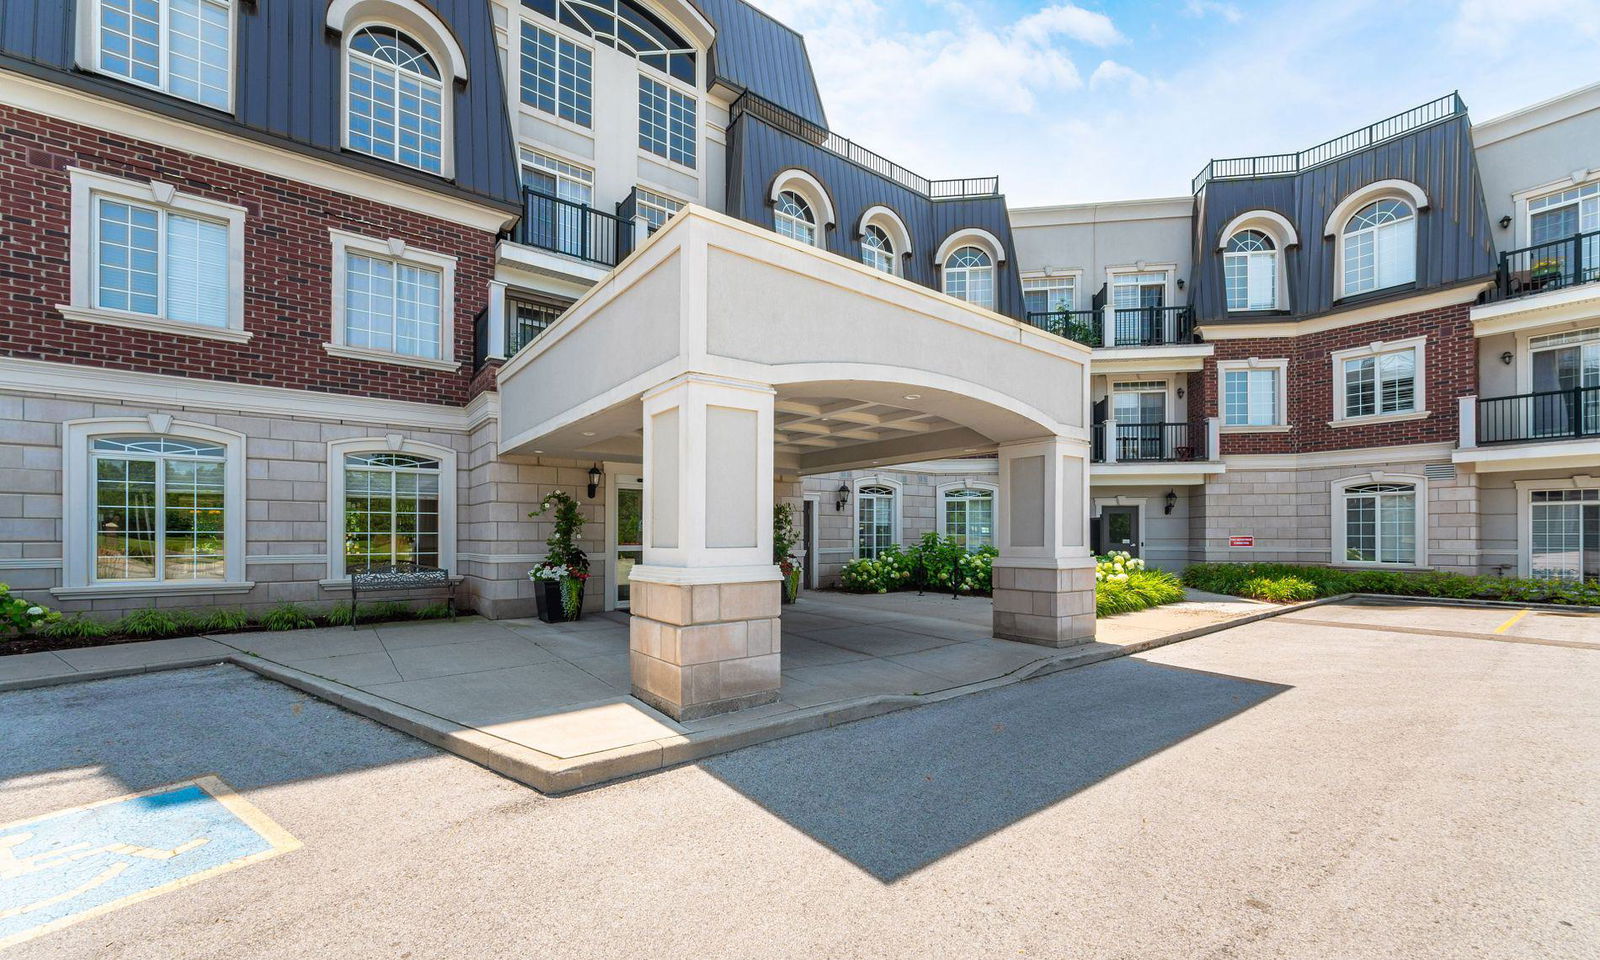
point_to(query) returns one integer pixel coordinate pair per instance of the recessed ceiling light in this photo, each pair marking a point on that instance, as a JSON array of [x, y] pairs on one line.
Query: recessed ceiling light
[[588, 433], [538, 451], [913, 396]]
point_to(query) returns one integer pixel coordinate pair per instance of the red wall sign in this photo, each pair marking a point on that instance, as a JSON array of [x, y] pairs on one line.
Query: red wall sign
[[1241, 541]]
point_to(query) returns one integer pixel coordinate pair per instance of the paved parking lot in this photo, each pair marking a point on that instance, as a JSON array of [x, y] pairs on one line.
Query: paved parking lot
[[1394, 785]]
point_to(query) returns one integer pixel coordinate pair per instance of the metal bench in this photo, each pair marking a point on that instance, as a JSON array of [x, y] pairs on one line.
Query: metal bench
[[386, 577]]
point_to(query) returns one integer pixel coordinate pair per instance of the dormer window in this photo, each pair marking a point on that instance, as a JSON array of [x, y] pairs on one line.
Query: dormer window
[[792, 217], [395, 106], [1380, 246], [877, 250], [1250, 271], [180, 47], [969, 276]]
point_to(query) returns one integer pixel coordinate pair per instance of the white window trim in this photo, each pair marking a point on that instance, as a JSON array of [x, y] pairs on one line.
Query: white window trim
[[1280, 421], [1525, 491], [88, 54], [885, 219], [1377, 348], [940, 490], [390, 443], [1336, 516], [88, 185], [397, 250], [1270, 222], [356, 16], [1520, 201], [673, 83], [1074, 276], [855, 495], [1169, 296], [77, 479], [514, 69], [1279, 284], [1371, 193], [972, 236], [814, 193]]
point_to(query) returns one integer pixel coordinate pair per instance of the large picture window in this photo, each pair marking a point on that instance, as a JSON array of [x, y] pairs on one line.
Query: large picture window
[[875, 519], [666, 122], [1380, 523], [392, 510], [181, 47], [557, 75], [968, 516], [1564, 538], [159, 509], [395, 105]]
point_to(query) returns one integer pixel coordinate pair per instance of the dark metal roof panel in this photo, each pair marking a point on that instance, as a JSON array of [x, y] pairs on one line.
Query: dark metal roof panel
[[1453, 235], [758, 153], [288, 84], [752, 51]]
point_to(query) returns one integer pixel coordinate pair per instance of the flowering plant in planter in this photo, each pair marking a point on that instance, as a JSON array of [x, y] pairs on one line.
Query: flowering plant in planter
[[784, 537], [564, 563]]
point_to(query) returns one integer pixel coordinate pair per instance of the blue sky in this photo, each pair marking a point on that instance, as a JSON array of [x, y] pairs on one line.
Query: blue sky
[[1071, 103]]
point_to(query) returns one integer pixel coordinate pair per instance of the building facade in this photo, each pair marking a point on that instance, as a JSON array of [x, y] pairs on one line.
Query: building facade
[[296, 289]]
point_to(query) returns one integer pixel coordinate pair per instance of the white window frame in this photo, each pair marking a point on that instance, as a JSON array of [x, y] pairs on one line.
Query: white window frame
[[1377, 349], [943, 489], [528, 22], [1352, 204], [87, 187], [88, 42], [1280, 366], [656, 199], [810, 189], [1274, 255], [1525, 490], [78, 530], [983, 240], [792, 226], [443, 60], [1337, 518], [1070, 279], [337, 577], [673, 86], [394, 250], [895, 514], [894, 228]]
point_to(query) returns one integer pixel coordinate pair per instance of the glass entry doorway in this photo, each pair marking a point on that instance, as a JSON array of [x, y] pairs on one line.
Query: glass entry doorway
[[626, 518]]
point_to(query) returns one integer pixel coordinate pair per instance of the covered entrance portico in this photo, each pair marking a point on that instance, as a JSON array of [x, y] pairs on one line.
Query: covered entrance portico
[[729, 362]]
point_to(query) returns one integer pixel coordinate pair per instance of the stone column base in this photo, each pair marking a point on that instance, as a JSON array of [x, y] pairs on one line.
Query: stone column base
[[701, 649], [1048, 605]]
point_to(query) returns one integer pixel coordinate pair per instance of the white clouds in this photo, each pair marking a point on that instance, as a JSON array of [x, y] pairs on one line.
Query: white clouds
[[1206, 8], [1110, 73]]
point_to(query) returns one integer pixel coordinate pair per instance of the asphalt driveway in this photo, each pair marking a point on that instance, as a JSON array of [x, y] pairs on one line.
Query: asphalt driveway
[[1338, 788]]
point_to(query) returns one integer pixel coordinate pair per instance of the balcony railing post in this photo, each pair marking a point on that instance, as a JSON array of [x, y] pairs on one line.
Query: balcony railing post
[[1109, 429], [1108, 326], [1213, 449], [495, 321], [1576, 260], [1467, 422]]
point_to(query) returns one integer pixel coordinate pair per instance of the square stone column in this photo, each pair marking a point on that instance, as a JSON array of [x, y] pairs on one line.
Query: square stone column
[[704, 637], [1044, 576]]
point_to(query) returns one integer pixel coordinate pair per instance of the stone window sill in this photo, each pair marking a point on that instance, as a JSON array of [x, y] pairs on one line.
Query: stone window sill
[[121, 591], [383, 356], [1266, 428], [139, 321], [1381, 418]]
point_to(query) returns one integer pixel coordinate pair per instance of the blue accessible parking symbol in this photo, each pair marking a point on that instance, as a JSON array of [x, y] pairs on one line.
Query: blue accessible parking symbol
[[74, 864]]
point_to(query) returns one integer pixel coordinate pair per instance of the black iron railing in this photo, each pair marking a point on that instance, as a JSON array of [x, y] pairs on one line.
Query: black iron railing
[[1281, 163], [1082, 326], [1548, 415], [1568, 262], [1151, 326], [575, 229], [480, 338], [1149, 442], [524, 320], [798, 126]]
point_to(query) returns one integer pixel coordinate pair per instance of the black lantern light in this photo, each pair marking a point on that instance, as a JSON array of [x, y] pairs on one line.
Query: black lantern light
[[1507, 357], [841, 497], [1172, 500], [594, 480]]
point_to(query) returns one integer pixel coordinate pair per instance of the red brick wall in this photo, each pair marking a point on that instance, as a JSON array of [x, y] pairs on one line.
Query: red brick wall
[[288, 268], [1449, 371]]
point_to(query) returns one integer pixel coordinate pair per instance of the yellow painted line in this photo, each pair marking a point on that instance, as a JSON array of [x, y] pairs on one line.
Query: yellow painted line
[[1512, 622]]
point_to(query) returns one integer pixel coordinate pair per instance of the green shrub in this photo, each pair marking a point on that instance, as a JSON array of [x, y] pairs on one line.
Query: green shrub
[[151, 623], [434, 611], [286, 616], [891, 569], [1231, 578], [934, 563], [1133, 590], [79, 627], [337, 615], [384, 611], [18, 616], [221, 619], [1279, 589]]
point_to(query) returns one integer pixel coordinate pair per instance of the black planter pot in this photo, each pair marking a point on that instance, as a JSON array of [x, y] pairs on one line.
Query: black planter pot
[[547, 598]]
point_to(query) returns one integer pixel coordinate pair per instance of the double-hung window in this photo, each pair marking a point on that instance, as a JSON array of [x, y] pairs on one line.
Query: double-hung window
[[1250, 271], [181, 47], [557, 75], [666, 121], [1380, 247], [1252, 396]]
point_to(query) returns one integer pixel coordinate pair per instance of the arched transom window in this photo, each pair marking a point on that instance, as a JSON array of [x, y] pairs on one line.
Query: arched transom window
[[391, 509], [969, 275], [874, 519], [396, 100], [877, 250], [1380, 523], [1250, 269], [159, 509], [627, 27], [792, 216], [1380, 246]]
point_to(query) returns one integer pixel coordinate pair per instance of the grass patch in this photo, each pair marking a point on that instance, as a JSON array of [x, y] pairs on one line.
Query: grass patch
[[1240, 579], [434, 611]]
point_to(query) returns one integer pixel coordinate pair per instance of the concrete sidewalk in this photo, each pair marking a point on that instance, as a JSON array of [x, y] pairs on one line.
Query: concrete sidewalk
[[550, 704]]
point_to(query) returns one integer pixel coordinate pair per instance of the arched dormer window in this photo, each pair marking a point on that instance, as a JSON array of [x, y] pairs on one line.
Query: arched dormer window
[[885, 242], [792, 217], [1250, 271], [395, 99], [969, 275], [1380, 246], [877, 250]]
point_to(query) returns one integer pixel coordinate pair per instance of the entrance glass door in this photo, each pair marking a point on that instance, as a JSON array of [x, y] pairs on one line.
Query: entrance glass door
[[628, 520]]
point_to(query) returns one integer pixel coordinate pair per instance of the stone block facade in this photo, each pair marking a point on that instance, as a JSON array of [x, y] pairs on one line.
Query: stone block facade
[[1052, 607], [701, 649]]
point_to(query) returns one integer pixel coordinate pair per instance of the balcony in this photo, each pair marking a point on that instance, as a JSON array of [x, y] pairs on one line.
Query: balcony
[[1151, 326], [571, 229], [1080, 326], [1530, 431], [1150, 442], [1546, 267], [498, 332]]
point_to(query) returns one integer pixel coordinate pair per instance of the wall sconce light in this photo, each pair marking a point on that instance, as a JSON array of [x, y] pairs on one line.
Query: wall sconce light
[[1180, 283], [1506, 358], [1180, 393], [1172, 500], [594, 480], [1505, 221], [841, 497]]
